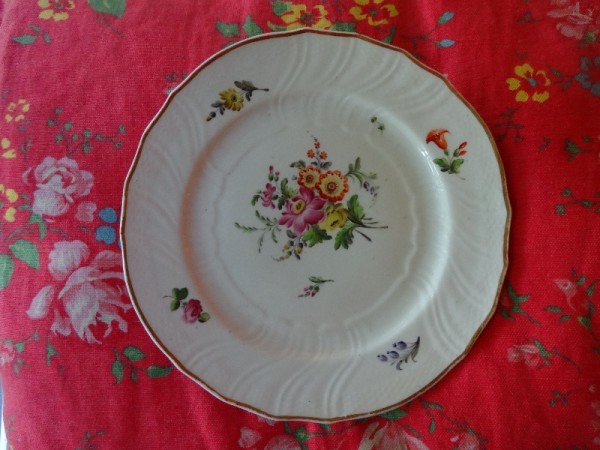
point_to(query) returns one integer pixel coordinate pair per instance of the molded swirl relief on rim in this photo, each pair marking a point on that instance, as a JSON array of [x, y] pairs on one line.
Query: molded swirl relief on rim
[[400, 122]]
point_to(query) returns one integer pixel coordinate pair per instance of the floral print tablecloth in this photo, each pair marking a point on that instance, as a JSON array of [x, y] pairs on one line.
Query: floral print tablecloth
[[80, 80]]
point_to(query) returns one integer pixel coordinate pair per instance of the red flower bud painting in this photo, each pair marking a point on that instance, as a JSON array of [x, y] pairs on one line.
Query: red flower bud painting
[[452, 161]]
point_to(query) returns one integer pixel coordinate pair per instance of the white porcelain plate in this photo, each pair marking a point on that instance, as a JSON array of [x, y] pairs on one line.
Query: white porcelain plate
[[315, 226]]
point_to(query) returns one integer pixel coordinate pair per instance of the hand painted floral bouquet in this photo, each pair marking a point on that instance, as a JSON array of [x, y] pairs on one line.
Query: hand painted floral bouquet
[[314, 207]]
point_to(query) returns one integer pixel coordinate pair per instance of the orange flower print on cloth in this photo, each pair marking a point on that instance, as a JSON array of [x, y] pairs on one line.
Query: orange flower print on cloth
[[300, 16], [529, 84], [55, 9], [373, 11]]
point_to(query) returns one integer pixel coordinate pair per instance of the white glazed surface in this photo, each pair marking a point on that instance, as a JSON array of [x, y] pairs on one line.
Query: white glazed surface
[[431, 277]]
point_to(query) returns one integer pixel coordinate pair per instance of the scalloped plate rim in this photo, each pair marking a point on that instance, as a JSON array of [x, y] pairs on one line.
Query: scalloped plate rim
[[137, 305]]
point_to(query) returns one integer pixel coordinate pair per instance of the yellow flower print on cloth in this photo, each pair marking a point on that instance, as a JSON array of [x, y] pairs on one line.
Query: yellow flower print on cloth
[[529, 84], [373, 11], [55, 9], [7, 151], [299, 16], [15, 111], [8, 196]]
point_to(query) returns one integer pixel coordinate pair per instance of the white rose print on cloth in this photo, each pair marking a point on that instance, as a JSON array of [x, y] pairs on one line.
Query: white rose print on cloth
[[86, 293], [58, 184]]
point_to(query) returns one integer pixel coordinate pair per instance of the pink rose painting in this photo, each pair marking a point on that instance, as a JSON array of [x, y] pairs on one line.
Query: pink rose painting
[[267, 196], [87, 292], [192, 311], [302, 211], [58, 184]]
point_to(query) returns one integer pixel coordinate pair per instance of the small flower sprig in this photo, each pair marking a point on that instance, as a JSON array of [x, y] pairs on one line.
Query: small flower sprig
[[192, 308], [427, 36], [318, 157], [452, 161], [270, 227], [233, 99], [314, 288], [320, 162], [365, 179], [83, 139], [402, 351], [11, 351]]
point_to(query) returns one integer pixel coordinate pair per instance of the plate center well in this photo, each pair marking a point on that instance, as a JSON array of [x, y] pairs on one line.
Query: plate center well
[[314, 232]]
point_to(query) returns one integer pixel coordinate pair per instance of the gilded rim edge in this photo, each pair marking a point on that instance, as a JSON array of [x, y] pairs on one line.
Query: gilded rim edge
[[133, 167]]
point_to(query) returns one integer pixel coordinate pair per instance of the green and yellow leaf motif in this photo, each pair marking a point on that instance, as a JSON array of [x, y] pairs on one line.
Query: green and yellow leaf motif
[[228, 29], [156, 371], [251, 28], [113, 7], [25, 39], [27, 252], [6, 270], [133, 353], [118, 371]]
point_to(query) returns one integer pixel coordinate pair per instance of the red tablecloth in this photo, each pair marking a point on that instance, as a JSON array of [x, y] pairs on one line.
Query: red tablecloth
[[79, 82]]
